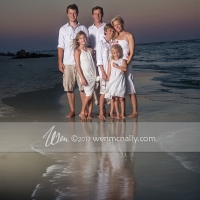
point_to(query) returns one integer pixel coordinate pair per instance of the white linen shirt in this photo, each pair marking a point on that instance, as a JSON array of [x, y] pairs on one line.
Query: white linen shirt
[[65, 40], [95, 35], [103, 55]]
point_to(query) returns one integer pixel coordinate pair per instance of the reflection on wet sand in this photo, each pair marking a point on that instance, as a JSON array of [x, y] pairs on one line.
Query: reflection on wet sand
[[95, 175]]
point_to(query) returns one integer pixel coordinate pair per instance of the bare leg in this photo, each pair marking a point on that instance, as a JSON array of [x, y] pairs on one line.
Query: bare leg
[[125, 106], [116, 104], [84, 105], [101, 107], [90, 105], [82, 95], [134, 105], [111, 108], [122, 105], [71, 98]]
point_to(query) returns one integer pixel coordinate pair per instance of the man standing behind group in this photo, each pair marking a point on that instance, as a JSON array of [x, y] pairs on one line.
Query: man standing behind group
[[96, 34], [96, 31], [66, 61]]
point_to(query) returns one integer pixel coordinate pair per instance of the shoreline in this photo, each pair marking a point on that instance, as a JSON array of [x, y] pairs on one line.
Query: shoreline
[[52, 105]]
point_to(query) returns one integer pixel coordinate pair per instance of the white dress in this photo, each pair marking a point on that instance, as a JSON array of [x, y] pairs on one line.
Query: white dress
[[117, 83], [89, 71], [130, 88]]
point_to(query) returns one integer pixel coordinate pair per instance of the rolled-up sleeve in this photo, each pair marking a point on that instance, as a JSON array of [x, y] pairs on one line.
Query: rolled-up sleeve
[[61, 43], [99, 54]]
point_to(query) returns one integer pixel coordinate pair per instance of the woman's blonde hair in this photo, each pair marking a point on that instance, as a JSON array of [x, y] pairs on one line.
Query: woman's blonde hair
[[117, 47], [75, 41], [118, 18]]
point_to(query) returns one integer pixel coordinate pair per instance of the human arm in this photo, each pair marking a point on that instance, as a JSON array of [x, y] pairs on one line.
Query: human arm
[[99, 58], [94, 58], [109, 70], [104, 75], [123, 68], [131, 42], [61, 66], [61, 46], [77, 53]]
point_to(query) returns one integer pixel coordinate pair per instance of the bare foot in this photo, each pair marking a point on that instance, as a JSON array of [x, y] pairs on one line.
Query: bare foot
[[82, 116], [101, 117], [117, 117], [123, 116], [133, 115], [112, 116], [86, 113], [71, 114], [89, 117]]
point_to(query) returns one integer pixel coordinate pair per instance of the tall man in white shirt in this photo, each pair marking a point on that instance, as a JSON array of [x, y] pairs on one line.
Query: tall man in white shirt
[[96, 31], [66, 63]]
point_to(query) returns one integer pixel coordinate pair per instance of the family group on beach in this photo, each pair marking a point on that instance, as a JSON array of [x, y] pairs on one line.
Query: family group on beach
[[104, 52]]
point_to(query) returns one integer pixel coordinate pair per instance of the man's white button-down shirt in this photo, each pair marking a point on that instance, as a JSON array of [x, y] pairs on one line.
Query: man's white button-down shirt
[[65, 41], [95, 35], [103, 55]]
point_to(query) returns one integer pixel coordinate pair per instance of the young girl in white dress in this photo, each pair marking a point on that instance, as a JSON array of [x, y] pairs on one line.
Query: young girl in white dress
[[86, 70], [116, 87]]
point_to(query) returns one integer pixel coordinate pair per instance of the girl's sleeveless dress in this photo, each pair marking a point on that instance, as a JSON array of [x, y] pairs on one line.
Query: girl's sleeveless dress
[[89, 71], [117, 83], [130, 88]]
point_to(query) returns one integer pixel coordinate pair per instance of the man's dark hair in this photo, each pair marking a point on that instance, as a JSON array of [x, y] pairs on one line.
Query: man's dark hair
[[97, 8], [73, 7]]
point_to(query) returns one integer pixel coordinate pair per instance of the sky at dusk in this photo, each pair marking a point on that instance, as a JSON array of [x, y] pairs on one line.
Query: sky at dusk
[[34, 25]]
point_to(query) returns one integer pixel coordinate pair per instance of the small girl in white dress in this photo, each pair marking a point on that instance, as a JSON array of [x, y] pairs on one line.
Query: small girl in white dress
[[116, 87], [86, 70]]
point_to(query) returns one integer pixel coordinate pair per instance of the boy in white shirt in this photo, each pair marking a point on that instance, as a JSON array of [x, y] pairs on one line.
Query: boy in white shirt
[[102, 57], [66, 63]]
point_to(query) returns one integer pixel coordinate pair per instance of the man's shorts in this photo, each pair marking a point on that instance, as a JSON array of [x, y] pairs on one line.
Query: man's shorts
[[103, 85], [70, 76]]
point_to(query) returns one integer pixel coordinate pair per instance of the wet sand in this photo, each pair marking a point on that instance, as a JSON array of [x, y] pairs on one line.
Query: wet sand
[[51, 104], [95, 175], [20, 173]]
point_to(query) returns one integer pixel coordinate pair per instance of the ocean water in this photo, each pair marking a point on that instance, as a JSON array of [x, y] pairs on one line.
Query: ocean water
[[178, 61], [25, 75]]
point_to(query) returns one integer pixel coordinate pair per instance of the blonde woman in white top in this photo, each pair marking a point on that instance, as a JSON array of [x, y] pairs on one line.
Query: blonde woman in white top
[[127, 41]]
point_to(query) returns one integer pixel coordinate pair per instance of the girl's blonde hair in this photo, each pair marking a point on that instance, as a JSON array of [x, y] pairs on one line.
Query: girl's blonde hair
[[118, 48], [75, 41]]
